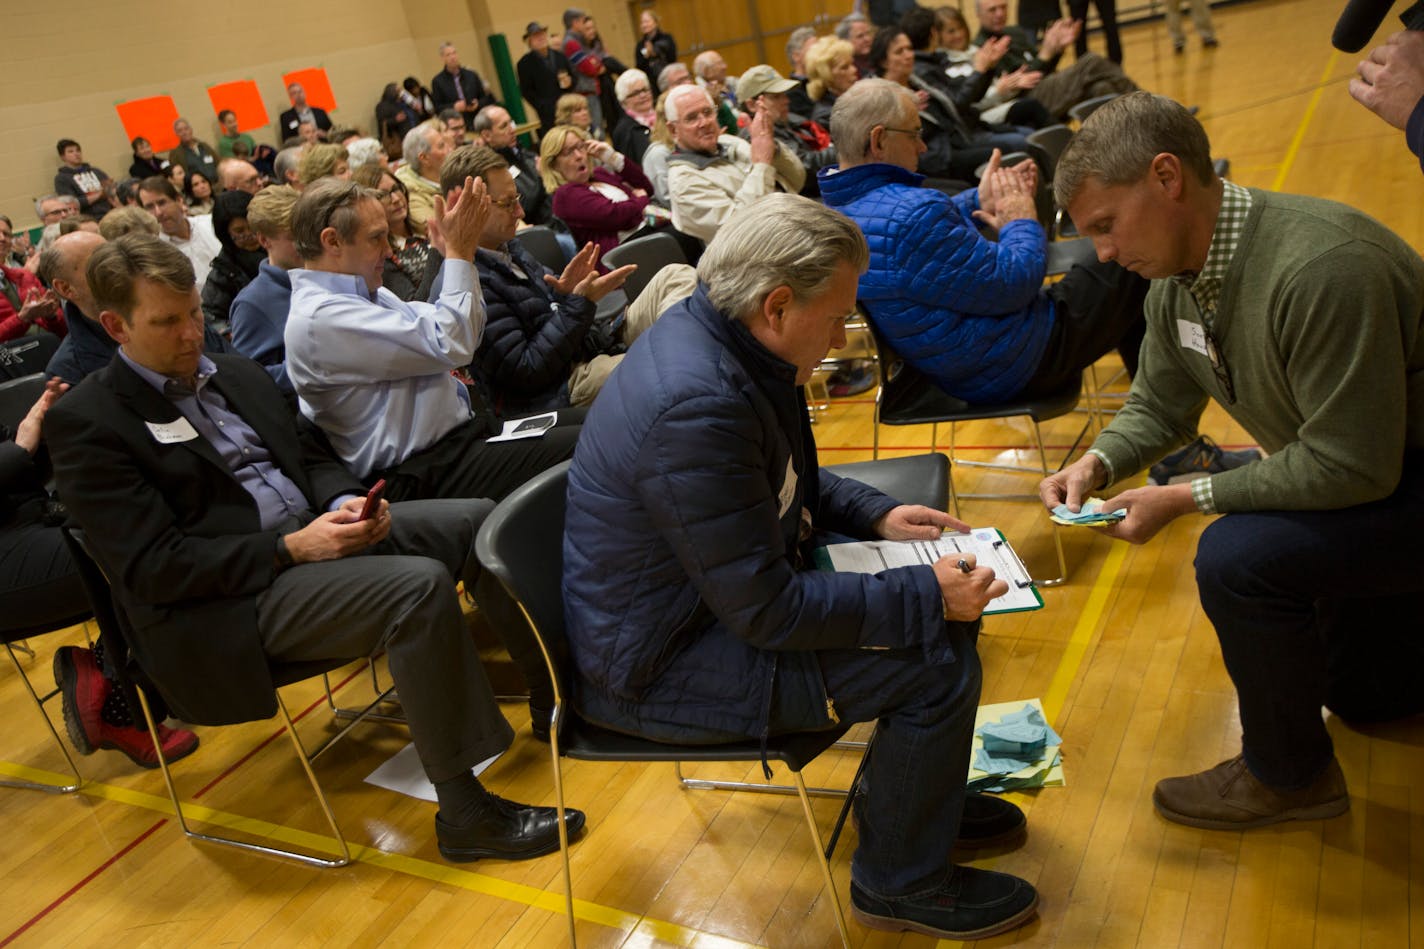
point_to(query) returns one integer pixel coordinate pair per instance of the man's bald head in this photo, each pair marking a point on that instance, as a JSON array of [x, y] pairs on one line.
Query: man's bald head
[[62, 266], [235, 174]]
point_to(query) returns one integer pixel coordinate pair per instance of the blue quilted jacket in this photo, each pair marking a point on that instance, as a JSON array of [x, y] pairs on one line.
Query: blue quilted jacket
[[966, 311], [687, 605]]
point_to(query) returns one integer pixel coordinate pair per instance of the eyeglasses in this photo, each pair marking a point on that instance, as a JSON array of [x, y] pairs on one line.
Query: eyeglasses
[[506, 204], [918, 132], [641, 90]]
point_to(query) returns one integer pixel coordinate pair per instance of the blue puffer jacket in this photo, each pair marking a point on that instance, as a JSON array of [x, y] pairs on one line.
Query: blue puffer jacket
[[968, 312], [687, 608], [533, 335]]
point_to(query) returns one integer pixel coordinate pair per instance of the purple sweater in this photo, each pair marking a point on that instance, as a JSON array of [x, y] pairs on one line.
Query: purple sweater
[[592, 217]]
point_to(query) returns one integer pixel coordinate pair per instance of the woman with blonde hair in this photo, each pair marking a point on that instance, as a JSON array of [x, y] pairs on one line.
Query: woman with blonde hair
[[321, 161], [830, 71], [572, 109], [600, 194]]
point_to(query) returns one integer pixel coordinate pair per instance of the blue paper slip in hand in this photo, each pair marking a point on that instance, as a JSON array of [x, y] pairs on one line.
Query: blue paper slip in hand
[[1091, 514]]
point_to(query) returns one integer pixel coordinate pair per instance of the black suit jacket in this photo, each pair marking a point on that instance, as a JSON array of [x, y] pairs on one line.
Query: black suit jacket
[[443, 94], [178, 536], [287, 126], [539, 83]]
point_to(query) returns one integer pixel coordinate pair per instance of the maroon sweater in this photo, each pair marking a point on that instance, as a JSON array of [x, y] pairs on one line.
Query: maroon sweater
[[592, 217]]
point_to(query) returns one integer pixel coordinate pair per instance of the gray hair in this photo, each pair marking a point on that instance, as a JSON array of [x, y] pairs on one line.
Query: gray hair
[[66, 198], [1117, 143], [796, 40], [286, 161], [848, 21], [363, 151], [868, 103], [327, 202], [780, 240], [627, 80], [416, 146], [482, 121], [668, 71], [704, 60], [670, 110]]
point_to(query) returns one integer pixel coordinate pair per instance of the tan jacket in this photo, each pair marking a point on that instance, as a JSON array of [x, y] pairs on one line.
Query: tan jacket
[[706, 189]]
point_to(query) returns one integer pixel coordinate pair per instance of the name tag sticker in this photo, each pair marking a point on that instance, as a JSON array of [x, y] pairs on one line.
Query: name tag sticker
[[514, 171], [1193, 336], [788, 490], [171, 433]]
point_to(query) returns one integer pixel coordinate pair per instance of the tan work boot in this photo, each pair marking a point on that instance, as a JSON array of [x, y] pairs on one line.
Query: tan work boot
[[1230, 797]]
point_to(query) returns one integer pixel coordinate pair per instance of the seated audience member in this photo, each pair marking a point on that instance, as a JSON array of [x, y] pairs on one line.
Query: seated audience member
[[710, 70], [830, 67], [541, 348], [417, 98], [655, 158], [259, 311], [40, 585], [307, 135], [286, 167], [145, 163], [198, 195], [572, 109], [177, 176], [675, 74], [1059, 90], [691, 614], [235, 174], [955, 149], [1001, 100], [322, 161], [231, 137], [220, 572], [1302, 319], [25, 305], [934, 73], [544, 74], [601, 195], [797, 43], [763, 89], [343, 136], [197, 158], [193, 235], [656, 49], [80, 222], [635, 95], [290, 122], [393, 117], [405, 418], [968, 312], [88, 348], [458, 87], [53, 208], [127, 193], [856, 29], [425, 148], [496, 129], [127, 219], [89, 185], [236, 264], [365, 151], [454, 122], [711, 175], [405, 266]]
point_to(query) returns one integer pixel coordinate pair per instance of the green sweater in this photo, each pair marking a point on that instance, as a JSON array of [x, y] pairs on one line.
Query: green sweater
[[1319, 324]]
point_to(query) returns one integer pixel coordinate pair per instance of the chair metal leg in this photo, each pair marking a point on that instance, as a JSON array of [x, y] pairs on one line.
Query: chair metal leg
[[24, 646], [365, 714], [554, 721], [63, 748], [310, 859], [755, 787], [801, 790], [1057, 540]]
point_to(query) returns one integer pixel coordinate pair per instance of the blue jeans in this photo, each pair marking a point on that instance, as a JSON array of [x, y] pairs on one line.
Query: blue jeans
[[914, 780], [1317, 608]]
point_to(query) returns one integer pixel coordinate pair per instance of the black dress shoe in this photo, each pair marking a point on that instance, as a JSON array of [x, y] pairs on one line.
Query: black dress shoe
[[989, 821], [505, 830]]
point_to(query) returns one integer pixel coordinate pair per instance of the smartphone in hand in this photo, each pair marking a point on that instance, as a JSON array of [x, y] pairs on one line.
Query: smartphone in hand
[[373, 500]]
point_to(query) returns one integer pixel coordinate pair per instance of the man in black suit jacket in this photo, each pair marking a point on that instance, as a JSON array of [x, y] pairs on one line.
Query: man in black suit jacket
[[201, 501], [544, 74], [457, 87], [300, 112]]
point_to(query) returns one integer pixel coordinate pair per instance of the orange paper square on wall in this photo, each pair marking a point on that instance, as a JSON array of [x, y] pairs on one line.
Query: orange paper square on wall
[[317, 86], [244, 99], [151, 118]]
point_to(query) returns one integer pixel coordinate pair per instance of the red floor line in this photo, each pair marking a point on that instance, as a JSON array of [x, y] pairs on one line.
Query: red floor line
[[63, 897]]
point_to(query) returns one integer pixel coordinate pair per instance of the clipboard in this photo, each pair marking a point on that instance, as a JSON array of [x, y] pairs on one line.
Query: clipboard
[[987, 544]]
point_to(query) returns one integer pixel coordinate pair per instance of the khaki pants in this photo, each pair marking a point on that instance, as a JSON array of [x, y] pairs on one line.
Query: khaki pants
[[668, 287]]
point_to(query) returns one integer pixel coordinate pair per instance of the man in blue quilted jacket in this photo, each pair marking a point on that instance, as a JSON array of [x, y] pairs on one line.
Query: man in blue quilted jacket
[[693, 616], [955, 285]]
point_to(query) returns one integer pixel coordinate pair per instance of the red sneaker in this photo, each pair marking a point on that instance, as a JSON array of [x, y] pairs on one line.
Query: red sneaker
[[138, 747], [83, 691]]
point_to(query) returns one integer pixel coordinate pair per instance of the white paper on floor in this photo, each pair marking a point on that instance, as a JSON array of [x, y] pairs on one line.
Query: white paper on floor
[[404, 775]]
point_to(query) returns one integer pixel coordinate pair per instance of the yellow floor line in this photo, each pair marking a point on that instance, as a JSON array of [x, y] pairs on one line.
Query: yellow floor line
[[411, 866], [1299, 136]]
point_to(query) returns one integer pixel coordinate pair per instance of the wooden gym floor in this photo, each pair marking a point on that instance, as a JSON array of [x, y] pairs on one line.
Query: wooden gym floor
[[1125, 662]]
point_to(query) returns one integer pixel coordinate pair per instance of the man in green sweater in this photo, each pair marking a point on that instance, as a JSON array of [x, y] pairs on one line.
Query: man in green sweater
[[1302, 318]]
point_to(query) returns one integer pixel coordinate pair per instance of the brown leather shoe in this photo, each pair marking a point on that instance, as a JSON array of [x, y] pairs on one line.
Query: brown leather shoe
[[1230, 797]]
